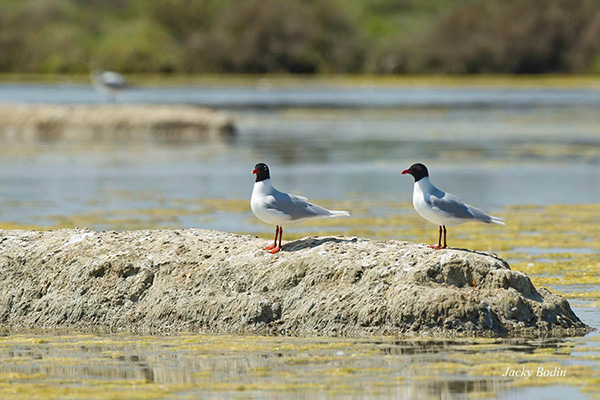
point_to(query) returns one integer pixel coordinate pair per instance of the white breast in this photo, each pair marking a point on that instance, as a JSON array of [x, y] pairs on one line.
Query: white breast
[[261, 193], [421, 189]]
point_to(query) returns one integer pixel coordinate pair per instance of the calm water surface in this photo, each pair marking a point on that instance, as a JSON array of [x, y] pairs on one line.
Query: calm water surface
[[494, 148]]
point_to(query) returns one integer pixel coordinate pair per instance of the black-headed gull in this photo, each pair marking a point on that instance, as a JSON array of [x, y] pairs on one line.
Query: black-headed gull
[[282, 209], [443, 209]]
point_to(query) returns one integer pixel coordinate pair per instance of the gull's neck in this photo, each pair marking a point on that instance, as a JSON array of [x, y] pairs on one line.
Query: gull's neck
[[425, 185], [263, 187]]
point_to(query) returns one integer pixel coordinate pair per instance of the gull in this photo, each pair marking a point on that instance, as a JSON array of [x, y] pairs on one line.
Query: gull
[[443, 209], [282, 209], [108, 82]]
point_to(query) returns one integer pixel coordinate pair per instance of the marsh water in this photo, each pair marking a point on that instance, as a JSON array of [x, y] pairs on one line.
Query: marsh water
[[531, 156]]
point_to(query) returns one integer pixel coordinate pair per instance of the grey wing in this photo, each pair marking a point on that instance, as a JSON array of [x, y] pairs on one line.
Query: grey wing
[[455, 208], [295, 207]]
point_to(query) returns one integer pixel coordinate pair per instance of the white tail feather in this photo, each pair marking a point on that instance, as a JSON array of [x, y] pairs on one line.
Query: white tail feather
[[498, 221], [336, 213]]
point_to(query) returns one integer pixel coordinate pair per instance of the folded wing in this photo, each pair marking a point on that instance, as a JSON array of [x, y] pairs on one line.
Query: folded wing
[[455, 208], [294, 207]]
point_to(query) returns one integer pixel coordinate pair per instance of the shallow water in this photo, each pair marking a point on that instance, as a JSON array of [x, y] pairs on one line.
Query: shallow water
[[491, 158], [193, 366], [311, 93], [531, 156]]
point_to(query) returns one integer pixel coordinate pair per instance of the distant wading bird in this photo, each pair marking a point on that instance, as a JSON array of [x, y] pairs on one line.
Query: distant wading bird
[[282, 209], [108, 83], [443, 209]]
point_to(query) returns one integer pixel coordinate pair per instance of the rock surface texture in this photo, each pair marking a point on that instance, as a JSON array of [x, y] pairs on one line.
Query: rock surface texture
[[198, 280], [111, 122]]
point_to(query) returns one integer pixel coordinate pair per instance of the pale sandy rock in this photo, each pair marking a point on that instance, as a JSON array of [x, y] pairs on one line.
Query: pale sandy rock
[[198, 280]]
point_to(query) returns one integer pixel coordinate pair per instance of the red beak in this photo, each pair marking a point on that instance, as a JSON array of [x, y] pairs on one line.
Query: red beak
[[406, 171], [254, 171]]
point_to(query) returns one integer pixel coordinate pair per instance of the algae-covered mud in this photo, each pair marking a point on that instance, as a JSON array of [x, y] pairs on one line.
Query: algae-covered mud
[[190, 366]]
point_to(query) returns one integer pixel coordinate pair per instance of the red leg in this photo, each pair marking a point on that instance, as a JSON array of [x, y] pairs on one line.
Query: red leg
[[439, 245], [276, 249], [275, 242]]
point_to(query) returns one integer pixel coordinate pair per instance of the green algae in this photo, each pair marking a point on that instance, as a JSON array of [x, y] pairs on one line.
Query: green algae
[[589, 295], [87, 389]]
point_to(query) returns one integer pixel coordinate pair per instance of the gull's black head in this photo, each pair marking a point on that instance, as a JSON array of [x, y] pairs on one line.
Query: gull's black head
[[262, 172], [418, 171]]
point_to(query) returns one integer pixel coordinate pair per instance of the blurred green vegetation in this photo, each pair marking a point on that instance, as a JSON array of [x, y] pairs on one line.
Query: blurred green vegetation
[[300, 36]]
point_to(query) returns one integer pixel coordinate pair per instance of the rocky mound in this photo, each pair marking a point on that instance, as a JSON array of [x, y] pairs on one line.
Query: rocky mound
[[111, 122], [198, 280]]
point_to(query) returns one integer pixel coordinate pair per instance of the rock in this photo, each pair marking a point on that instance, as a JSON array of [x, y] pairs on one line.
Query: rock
[[198, 280], [111, 122]]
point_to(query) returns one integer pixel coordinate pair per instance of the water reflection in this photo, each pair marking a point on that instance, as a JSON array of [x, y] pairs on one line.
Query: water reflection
[[284, 367]]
